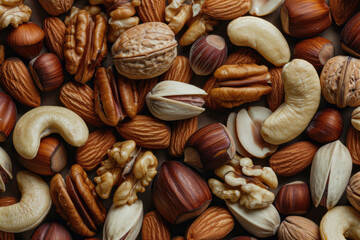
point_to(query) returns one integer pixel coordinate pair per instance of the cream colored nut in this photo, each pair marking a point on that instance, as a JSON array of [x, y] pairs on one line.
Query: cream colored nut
[[264, 7], [261, 223], [174, 100], [302, 99], [296, 227], [6, 166], [43, 121], [123, 222], [355, 118], [340, 223], [261, 35], [330, 174], [33, 207], [14, 16], [196, 6]]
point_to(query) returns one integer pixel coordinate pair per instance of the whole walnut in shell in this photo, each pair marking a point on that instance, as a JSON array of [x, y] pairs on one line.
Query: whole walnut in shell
[[340, 81], [145, 51], [56, 7]]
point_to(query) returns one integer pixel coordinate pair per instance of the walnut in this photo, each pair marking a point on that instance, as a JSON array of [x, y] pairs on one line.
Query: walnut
[[128, 167], [177, 14], [340, 81], [85, 43], [14, 13], [121, 14], [245, 183]]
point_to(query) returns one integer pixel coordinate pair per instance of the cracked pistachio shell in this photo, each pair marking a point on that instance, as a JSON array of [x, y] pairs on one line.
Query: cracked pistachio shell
[[124, 222], [262, 223], [179, 106], [330, 173], [6, 166]]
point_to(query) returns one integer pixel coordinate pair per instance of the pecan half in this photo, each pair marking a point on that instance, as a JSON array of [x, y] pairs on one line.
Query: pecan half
[[181, 131]]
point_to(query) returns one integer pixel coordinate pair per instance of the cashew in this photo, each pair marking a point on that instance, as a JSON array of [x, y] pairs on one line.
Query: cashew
[[43, 121], [302, 99], [261, 35], [340, 223], [33, 207]]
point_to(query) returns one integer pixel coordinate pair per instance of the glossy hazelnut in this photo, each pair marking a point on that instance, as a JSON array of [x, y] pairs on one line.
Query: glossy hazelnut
[[293, 198], [47, 72], [326, 126], [349, 36], [7, 116], [51, 157], [207, 54], [26, 40], [51, 231]]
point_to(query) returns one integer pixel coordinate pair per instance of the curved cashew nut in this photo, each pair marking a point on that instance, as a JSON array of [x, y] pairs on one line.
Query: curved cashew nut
[[43, 121], [340, 223], [261, 35], [302, 99], [33, 207]]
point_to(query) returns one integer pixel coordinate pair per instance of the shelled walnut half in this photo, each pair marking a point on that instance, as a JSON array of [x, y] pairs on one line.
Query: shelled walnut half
[[245, 183], [14, 13], [128, 167]]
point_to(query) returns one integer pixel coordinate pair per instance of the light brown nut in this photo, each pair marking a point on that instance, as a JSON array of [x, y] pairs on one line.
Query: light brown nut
[[209, 101], [293, 159], [226, 9], [181, 131], [177, 15], [54, 30], [277, 95], [154, 227], [16, 80], [352, 143], [147, 132], [94, 151], [14, 15], [295, 227], [145, 51], [342, 10], [129, 95], [56, 7], [215, 223], [244, 55], [180, 71], [82, 58], [106, 96], [80, 99], [152, 10], [144, 87]]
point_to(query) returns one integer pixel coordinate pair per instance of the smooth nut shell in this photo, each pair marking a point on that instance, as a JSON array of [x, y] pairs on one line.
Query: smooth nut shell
[[8, 113], [51, 231], [349, 37]]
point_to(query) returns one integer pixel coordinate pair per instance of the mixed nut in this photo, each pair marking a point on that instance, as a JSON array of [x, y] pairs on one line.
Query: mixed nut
[[126, 120]]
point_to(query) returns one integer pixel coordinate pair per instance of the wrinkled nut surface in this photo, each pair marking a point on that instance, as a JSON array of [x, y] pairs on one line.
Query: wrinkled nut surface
[[5, 169], [261, 35], [174, 100], [244, 183], [56, 7], [55, 29], [330, 173], [154, 227], [340, 223], [302, 99], [124, 222], [295, 227], [277, 95], [225, 9], [42, 121], [180, 133], [353, 191], [13, 15], [355, 118], [35, 202], [352, 143], [180, 70], [127, 167], [145, 51]]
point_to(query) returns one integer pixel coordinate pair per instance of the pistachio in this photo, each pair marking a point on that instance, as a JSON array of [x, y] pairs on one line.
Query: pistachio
[[174, 100], [330, 173]]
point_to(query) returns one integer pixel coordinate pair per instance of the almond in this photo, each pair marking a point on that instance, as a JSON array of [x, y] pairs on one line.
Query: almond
[[152, 10], [293, 159], [244, 55], [214, 223], [16, 80], [54, 30], [179, 71], [154, 227], [352, 143], [80, 99], [226, 9], [181, 131], [147, 132], [94, 151], [144, 87], [277, 95]]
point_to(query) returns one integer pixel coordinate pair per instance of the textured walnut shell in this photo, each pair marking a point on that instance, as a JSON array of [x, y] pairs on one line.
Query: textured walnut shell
[[56, 7], [352, 143], [145, 51], [339, 81]]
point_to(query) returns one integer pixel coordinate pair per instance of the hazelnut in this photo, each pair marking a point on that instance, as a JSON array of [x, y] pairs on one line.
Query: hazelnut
[[26, 40], [294, 228], [315, 50], [326, 126], [293, 198], [47, 72], [179, 193], [53, 231], [305, 18], [51, 157], [353, 191], [207, 54], [7, 116], [349, 36]]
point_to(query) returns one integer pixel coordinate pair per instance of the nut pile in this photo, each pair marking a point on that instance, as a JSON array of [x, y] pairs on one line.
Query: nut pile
[[138, 121]]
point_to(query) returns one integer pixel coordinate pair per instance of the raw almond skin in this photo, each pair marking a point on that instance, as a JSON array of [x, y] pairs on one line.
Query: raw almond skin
[[293, 159], [181, 131], [179, 71], [277, 95], [215, 223], [152, 10], [226, 9], [54, 30], [154, 227], [352, 143]]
